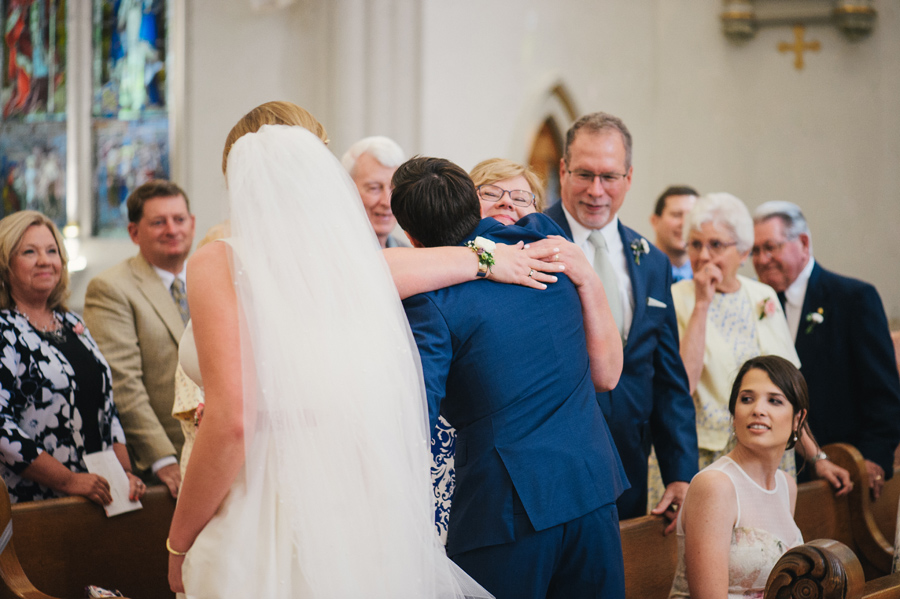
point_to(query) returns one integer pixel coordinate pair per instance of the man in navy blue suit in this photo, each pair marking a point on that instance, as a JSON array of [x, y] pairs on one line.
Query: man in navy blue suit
[[651, 404], [842, 337], [537, 474]]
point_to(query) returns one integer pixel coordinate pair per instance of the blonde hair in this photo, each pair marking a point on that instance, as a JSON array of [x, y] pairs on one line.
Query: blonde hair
[[272, 113], [492, 170], [217, 231], [12, 230]]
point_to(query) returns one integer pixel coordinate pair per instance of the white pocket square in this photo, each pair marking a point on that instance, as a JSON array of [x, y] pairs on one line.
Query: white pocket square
[[655, 303]]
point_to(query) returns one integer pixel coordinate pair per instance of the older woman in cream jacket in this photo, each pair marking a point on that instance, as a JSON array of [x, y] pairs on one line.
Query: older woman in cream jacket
[[724, 319]]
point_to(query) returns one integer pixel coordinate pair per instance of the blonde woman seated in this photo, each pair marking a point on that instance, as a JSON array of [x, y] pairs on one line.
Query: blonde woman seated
[[725, 319], [738, 516]]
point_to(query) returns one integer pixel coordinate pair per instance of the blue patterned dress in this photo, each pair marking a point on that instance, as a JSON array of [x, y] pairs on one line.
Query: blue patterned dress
[[443, 449]]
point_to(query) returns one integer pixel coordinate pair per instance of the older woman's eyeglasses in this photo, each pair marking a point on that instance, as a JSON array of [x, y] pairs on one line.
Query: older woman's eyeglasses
[[714, 246], [586, 178], [492, 193]]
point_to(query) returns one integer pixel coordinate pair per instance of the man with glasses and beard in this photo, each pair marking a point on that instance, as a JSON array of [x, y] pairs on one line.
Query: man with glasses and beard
[[651, 405]]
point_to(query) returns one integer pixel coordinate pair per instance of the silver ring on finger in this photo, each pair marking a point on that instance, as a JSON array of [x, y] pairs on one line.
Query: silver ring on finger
[[531, 274]]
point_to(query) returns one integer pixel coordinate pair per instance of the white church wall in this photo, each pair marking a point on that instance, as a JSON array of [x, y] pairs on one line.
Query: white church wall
[[702, 110], [461, 80]]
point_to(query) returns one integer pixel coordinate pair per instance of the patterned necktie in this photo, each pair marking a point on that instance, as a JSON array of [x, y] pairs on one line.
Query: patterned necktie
[[604, 269], [178, 294]]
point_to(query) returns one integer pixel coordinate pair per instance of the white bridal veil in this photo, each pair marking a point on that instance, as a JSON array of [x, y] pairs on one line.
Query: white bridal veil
[[333, 390]]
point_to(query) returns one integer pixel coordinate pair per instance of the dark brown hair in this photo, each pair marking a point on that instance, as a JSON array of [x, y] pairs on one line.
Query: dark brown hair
[[435, 201], [783, 375], [155, 188]]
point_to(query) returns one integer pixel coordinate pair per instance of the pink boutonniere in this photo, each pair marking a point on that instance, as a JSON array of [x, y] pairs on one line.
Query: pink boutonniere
[[198, 414], [767, 308], [78, 328]]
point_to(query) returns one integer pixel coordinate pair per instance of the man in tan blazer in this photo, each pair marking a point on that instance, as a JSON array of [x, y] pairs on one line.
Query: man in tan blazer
[[136, 311]]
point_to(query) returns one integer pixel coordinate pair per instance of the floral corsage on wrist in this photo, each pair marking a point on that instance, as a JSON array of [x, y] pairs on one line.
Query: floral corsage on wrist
[[484, 249], [639, 247], [767, 308], [814, 318]]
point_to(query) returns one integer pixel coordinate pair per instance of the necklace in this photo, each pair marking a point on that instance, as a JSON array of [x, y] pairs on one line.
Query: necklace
[[53, 332]]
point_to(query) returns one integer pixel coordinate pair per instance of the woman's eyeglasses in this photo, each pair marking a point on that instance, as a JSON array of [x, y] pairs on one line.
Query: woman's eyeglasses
[[492, 193], [715, 246]]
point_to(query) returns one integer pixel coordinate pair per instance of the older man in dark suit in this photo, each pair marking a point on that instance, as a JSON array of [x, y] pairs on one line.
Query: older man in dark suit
[[842, 337], [651, 404]]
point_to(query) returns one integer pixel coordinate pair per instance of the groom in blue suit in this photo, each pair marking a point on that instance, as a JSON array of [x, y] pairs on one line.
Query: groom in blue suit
[[651, 403], [537, 474]]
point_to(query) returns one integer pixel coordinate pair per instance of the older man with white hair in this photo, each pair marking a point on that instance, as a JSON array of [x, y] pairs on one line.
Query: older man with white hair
[[371, 163], [841, 334]]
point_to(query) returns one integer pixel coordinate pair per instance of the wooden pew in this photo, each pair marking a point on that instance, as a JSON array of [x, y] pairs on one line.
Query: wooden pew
[[826, 569], [869, 543], [650, 558], [59, 546]]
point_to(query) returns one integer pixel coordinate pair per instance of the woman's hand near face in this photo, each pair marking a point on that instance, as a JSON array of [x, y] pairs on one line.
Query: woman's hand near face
[[706, 279]]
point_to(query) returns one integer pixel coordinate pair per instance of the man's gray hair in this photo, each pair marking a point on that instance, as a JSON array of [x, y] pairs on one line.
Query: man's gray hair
[[789, 213], [725, 210], [599, 122], [383, 149]]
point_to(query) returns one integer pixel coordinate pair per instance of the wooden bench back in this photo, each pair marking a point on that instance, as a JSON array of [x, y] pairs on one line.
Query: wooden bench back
[[650, 558], [66, 544]]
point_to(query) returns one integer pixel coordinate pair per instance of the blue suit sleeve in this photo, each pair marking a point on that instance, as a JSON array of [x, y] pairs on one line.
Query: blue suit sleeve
[[433, 339], [673, 421], [876, 378]]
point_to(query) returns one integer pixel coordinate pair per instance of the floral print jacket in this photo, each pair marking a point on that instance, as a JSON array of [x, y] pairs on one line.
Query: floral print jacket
[[37, 404]]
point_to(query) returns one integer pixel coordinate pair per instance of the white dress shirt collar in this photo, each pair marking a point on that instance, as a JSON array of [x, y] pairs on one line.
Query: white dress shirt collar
[[168, 278], [794, 296]]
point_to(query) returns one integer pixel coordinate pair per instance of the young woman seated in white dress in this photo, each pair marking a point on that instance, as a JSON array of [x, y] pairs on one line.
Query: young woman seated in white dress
[[738, 517]]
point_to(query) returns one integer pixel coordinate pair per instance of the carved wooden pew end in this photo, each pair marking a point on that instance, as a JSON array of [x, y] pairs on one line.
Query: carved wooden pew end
[[820, 569]]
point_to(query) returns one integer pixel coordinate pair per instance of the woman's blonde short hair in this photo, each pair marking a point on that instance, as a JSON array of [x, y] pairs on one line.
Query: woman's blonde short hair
[[272, 113], [12, 229], [492, 170], [218, 231]]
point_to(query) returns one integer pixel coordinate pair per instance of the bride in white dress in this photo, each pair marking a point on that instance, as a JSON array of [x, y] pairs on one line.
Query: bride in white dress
[[309, 476]]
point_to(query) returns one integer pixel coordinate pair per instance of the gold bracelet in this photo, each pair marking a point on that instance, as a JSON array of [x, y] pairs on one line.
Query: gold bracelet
[[172, 551]]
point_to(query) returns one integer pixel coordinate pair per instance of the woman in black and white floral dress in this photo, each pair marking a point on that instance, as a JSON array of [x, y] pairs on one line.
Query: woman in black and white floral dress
[[56, 400]]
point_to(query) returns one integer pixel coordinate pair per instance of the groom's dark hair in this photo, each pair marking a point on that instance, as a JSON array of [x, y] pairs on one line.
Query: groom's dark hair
[[434, 201]]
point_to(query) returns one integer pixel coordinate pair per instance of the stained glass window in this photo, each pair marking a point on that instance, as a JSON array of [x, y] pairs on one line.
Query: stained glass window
[[33, 100], [129, 112]]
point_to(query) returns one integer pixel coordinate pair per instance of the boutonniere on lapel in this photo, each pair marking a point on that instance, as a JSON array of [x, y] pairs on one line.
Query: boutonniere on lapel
[[767, 308], [79, 329], [639, 247], [814, 318]]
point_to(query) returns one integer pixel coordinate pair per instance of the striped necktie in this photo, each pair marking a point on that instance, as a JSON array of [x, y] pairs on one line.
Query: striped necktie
[[178, 294]]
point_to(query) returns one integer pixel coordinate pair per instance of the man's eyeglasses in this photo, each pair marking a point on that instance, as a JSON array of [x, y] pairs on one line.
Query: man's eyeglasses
[[586, 178], [715, 246], [492, 193], [767, 249]]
